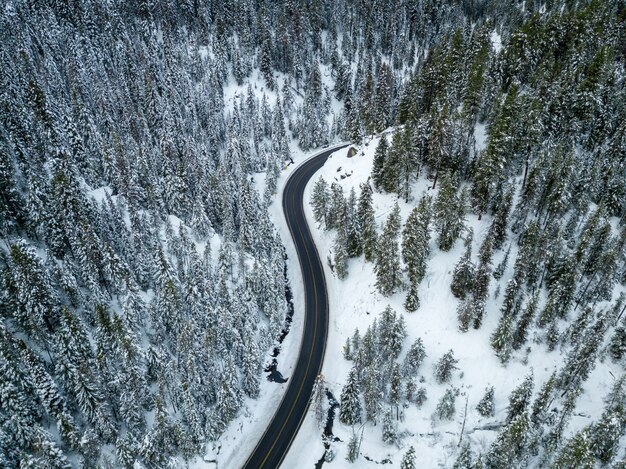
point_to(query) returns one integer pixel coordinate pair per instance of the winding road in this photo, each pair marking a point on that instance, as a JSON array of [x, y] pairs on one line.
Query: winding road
[[275, 442]]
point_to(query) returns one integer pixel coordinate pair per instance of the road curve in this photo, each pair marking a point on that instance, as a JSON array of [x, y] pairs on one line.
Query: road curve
[[275, 442]]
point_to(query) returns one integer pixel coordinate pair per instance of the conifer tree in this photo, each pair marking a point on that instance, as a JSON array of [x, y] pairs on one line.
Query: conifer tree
[[415, 238], [380, 157], [486, 406], [521, 328], [390, 434], [350, 407], [449, 213], [446, 409], [500, 220], [414, 358], [463, 275], [395, 389], [373, 392], [464, 460], [575, 453], [393, 165], [319, 200], [353, 448], [408, 460], [355, 230], [367, 222], [519, 400], [387, 266], [510, 444], [445, 366]]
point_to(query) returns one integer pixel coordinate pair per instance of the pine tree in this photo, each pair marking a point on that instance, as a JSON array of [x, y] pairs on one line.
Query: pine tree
[[415, 238], [575, 453], [373, 393], [393, 165], [408, 460], [617, 345], [519, 400], [449, 213], [340, 248], [500, 220], [367, 222], [446, 406], [413, 359], [510, 444], [350, 407], [464, 461], [463, 275], [486, 406], [387, 266], [521, 329], [445, 366], [353, 448], [604, 435], [319, 200], [412, 301], [390, 434], [355, 240], [395, 388], [481, 282], [502, 338], [380, 157]]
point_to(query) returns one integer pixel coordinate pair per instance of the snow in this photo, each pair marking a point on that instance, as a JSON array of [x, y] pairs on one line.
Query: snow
[[496, 41], [355, 303], [100, 193], [480, 136]]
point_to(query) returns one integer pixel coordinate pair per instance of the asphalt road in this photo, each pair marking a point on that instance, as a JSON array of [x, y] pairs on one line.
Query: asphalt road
[[275, 442]]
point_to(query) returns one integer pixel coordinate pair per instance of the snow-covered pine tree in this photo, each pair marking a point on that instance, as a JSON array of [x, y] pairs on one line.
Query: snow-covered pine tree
[[350, 407], [387, 265], [446, 408], [390, 434], [519, 400], [319, 201], [463, 275], [448, 212], [486, 406], [413, 359], [415, 249], [367, 222], [380, 158], [445, 366], [408, 460]]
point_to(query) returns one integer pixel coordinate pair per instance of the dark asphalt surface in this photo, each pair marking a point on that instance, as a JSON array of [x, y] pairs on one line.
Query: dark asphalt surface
[[275, 442]]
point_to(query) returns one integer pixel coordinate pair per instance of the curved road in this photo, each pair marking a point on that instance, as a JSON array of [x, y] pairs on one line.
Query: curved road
[[275, 442]]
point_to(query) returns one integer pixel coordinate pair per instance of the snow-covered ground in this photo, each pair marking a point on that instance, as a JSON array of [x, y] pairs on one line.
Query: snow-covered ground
[[355, 303]]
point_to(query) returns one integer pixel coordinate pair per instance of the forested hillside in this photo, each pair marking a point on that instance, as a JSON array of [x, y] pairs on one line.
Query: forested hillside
[[487, 234], [142, 282]]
